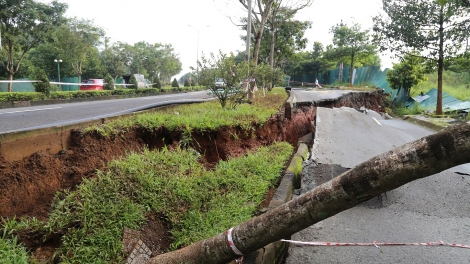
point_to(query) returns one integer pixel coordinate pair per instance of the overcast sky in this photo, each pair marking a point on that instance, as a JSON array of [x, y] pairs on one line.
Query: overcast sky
[[179, 22]]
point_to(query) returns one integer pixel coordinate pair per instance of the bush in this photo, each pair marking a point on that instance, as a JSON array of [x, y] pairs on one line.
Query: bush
[[175, 84], [133, 81], [156, 83], [21, 96], [109, 82], [44, 86], [186, 83]]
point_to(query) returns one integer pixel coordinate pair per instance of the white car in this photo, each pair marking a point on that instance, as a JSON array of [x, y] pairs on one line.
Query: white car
[[220, 82]]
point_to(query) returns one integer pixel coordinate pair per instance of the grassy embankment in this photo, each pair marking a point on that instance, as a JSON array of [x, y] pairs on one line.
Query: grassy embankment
[[198, 203]]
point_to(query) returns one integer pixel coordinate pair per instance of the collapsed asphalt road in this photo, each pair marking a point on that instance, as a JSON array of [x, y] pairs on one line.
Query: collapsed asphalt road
[[427, 210]]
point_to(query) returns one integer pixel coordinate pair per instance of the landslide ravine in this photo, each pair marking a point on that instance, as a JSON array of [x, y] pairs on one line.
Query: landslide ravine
[[28, 185]]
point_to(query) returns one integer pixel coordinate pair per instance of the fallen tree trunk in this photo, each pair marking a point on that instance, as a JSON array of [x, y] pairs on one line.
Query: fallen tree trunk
[[412, 161]]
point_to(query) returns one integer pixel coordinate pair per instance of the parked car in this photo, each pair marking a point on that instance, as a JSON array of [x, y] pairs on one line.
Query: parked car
[[220, 83], [92, 84]]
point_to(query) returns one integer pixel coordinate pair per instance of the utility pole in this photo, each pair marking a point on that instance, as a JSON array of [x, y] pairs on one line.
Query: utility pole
[[248, 32]]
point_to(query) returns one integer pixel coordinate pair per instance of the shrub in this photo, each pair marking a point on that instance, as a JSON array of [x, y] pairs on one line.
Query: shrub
[[186, 83], [109, 82], [133, 81], [43, 86], [175, 84], [156, 83]]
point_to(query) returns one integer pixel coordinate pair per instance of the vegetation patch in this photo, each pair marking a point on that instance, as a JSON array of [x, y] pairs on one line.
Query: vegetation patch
[[198, 203], [199, 117]]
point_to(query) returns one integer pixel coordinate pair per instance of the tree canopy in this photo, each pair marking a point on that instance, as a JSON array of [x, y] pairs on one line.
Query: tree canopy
[[436, 29], [352, 46], [25, 24], [406, 74]]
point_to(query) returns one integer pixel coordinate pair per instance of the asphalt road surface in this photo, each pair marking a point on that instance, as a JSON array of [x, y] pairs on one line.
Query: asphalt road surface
[[27, 118], [427, 210]]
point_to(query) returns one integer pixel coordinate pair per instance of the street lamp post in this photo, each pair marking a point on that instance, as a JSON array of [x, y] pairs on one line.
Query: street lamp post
[[58, 71], [197, 54]]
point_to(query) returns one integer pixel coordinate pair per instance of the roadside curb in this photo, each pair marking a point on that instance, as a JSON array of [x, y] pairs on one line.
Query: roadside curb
[[423, 123], [290, 181]]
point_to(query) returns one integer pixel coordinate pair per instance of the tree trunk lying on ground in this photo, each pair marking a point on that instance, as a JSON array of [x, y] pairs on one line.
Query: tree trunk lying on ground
[[415, 160]]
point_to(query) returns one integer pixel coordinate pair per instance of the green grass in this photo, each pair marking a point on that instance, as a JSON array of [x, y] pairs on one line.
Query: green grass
[[455, 84], [198, 203], [401, 110], [11, 251], [200, 117]]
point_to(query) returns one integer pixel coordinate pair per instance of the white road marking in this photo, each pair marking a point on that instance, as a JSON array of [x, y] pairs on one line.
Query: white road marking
[[377, 121], [31, 110]]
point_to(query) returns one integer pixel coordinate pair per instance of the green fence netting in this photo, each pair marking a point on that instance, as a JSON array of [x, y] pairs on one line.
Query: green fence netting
[[18, 86]]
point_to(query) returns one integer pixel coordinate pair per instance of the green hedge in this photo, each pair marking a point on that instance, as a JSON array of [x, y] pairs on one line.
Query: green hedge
[[21, 96], [36, 96]]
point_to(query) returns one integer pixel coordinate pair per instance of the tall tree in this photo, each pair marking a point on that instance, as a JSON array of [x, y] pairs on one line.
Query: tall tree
[[24, 24], [282, 12], [436, 29], [77, 42], [283, 41], [261, 10], [317, 62], [114, 60], [352, 45]]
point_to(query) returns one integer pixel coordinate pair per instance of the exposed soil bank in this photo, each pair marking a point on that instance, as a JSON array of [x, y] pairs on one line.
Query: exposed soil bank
[[28, 185]]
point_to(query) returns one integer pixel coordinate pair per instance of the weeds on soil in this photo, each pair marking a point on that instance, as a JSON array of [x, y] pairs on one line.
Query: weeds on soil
[[11, 251], [401, 110], [198, 203]]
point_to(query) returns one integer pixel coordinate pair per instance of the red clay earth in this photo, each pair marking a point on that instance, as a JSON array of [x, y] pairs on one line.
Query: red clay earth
[[28, 185]]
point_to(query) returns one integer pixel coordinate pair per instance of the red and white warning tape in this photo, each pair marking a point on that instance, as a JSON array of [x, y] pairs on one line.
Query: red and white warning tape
[[376, 244]]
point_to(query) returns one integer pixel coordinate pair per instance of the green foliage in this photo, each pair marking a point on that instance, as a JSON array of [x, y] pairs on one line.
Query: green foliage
[[289, 35], [175, 83], [109, 82], [186, 83], [76, 43], [26, 24], [406, 74], [402, 110], [436, 31], [11, 251], [455, 84], [43, 86], [114, 58], [156, 83], [317, 61], [198, 203], [223, 67], [133, 82], [352, 46], [201, 117], [21, 96]]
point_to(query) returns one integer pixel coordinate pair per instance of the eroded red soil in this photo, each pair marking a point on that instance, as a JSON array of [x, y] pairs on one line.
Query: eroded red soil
[[28, 185]]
